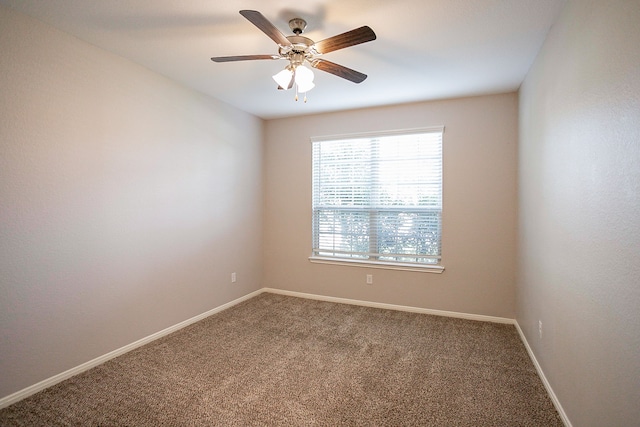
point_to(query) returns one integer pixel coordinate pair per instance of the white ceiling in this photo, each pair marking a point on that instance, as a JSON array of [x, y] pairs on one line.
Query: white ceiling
[[425, 49]]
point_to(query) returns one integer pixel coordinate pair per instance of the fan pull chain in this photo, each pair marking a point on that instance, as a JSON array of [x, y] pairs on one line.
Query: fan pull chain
[[296, 98]]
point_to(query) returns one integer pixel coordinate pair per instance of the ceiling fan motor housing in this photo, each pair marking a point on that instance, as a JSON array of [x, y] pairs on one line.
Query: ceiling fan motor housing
[[300, 49]]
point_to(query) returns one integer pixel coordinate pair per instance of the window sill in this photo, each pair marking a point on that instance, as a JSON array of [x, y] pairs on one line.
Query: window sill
[[438, 269]]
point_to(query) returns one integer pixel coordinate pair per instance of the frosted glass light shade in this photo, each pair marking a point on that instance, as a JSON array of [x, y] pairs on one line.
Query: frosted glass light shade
[[283, 78], [306, 87], [304, 79]]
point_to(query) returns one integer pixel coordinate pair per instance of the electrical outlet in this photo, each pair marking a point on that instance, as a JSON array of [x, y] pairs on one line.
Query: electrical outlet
[[369, 279], [233, 277], [540, 328]]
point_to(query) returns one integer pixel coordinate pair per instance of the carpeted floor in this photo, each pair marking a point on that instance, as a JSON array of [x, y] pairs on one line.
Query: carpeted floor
[[282, 361]]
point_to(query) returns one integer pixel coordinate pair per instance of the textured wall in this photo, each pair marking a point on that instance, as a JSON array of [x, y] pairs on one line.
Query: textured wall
[[579, 234], [479, 219], [126, 202]]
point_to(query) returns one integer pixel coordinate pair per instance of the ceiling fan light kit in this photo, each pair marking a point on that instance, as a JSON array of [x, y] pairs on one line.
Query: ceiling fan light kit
[[299, 50]]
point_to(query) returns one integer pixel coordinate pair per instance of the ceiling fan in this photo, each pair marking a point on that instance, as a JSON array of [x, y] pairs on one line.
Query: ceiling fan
[[298, 49]]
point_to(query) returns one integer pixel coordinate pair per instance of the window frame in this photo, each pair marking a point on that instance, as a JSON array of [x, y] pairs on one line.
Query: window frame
[[376, 263]]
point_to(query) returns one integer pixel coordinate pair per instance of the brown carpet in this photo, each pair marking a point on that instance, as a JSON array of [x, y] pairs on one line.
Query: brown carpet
[[282, 361]]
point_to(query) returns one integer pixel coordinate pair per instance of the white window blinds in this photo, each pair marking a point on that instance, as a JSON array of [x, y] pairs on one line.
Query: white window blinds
[[378, 197]]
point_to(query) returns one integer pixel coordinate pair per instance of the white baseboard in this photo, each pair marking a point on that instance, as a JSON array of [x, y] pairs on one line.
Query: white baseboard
[[26, 392], [542, 376], [467, 316]]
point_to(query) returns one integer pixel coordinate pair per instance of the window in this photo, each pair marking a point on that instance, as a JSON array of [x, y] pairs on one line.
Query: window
[[377, 199]]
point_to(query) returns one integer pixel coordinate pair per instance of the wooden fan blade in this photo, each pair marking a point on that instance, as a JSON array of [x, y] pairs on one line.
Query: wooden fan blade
[[339, 70], [257, 19], [350, 38], [242, 58]]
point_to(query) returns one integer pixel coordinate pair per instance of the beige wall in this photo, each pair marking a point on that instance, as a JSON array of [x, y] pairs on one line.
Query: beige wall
[[579, 210], [126, 201], [479, 219]]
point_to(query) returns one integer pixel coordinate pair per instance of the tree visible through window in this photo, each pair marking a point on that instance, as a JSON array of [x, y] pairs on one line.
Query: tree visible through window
[[378, 197]]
